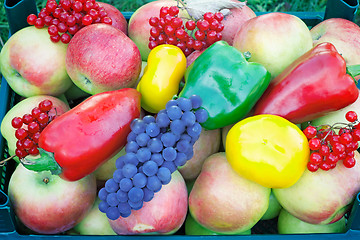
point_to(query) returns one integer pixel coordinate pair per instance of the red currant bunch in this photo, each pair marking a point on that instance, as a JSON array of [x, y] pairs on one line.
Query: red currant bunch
[[69, 16], [169, 28], [329, 146], [29, 127]]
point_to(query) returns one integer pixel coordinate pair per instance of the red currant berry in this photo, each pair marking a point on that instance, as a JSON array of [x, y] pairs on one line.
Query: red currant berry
[[181, 45], [312, 167], [176, 22], [211, 36], [57, 11], [218, 36], [35, 112], [168, 19], [42, 14], [338, 148], [48, 20], [198, 45], [17, 122], [45, 105], [33, 127], [43, 118], [219, 16], [343, 130], [324, 166], [152, 44], [190, 25], [171, 40], [334, 139], [220, 27], [70, 21], [21, 133], [188, 51], [345, 138], [315, 158], [51, 6], [324, 150], [314, 144], [35, 137], [180, 33], [87, 6], [214, 25], [73, 29], [203, 25], [39, 23], [65, 38], [20, 153], [356, 135], [27, 118], [349, 162], [62, 27], [93, 13], [55, 38], [209, 16], [19, 144], [102, 12], [55, 21], [173, 10], [154, 32], [86, 20], [199, 35], [310, 132], [351, 116], [33, 151], [28, 143], [161, 39], [331, 158], [164, 11], [77, 6], [106, 20], [169, 30], [65, 4], [31, 19], [154, 21], [342, 155]]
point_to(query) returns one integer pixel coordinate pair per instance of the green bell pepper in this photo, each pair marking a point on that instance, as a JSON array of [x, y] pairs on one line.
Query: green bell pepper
[[228, 84]]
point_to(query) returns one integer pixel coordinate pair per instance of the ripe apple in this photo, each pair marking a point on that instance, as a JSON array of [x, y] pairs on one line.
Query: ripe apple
[[343, 34], [224, 131], [322, 197], [207, 144], [164, 214], [223, 201], [102, 58], [94, 223], [139, 27], [288, 224], [117, 18], [33, 65], [192, 227], [47, 204], [273, 209], [24, 107], [233, 20], [274, 39]]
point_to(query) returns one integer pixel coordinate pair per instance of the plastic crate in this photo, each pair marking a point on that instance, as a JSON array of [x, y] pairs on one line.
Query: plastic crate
[[17, 10]]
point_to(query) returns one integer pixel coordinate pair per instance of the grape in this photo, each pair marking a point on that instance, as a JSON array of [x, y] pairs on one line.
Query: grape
[[152, 129], [168, 139], [139, 180], [150, 168], [190, 153], [111, 185], [188, 118], [201, 115], [129, 170], [131, 146], [112, 199], [184, 103], [183, 146], [154, 184], [103, 206], [124, 209], [164, 175], [138, 126], [142, 139], [169, 154], [162, 119], [103, 194], [155, 145], [194, 130], [158, 158], [174, 112], [177, 127], [136, 205], [122, 196], [181, 159], [131, 137], [185, 137], [125, 184], [130, 158], [196, 101], [135, 194], [112, 213], [170, 103], [148, 119], [143, 154], [120, 162], [170, 165], [148, 194]]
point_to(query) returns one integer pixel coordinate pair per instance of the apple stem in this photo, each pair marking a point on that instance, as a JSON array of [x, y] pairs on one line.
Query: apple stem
[[2, 163], [46, 162]]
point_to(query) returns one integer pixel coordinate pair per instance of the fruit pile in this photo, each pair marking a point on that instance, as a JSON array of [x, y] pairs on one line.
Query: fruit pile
[[155, 148], [329, 147], [66, 18], [29, 127], [192, 35]]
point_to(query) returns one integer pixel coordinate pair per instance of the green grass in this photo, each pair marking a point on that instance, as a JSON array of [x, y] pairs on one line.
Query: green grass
[[132, 5]]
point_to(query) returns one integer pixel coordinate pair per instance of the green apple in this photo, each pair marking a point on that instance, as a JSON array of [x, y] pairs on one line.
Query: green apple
[[274, 39], [33, 65], [288, 224], [273, 209], [106, 170]]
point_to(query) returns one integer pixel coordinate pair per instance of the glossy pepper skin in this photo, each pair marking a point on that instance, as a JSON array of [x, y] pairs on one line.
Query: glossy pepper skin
[[268, 149], [228, 84], [314, 84], [76, 143], [165, 68]]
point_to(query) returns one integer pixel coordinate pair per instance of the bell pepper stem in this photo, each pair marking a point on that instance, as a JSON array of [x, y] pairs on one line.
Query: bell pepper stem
[[46, 162], [353, 70]]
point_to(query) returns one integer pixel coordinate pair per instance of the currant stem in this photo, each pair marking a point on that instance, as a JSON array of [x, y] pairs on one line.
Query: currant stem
[[2, 163]]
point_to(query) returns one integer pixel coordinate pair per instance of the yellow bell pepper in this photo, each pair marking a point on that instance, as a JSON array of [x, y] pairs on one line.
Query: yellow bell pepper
[[268, 149], [165, 68]]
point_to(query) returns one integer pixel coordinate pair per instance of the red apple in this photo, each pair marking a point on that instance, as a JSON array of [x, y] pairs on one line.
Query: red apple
[[118, 19], [164, 214], [343, 34], [33, 65], [47, 204], [102, 58], [225, 202]]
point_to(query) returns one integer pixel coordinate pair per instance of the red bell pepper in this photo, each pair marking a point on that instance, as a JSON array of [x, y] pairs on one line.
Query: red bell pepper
[[76, 143], [314, 84]]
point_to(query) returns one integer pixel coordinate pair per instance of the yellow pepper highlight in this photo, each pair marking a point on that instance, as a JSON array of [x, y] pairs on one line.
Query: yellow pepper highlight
[[268, 149], [165, 68]]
